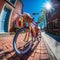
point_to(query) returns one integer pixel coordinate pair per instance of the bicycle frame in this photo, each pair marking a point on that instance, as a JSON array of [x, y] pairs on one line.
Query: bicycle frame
[[34, 31]]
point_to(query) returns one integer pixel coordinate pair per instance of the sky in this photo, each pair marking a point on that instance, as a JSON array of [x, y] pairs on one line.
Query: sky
[[31, 6]]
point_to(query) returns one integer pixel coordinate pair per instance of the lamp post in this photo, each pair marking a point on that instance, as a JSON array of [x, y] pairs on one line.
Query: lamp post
[[48, 6]]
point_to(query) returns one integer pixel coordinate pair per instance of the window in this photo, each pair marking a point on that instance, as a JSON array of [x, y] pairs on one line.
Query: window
[[48, 26], [4, 19], [12, 1], [55, 24]]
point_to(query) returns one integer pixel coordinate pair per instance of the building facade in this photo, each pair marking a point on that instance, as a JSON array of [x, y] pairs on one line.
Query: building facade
[[9, 11], [53, 18]]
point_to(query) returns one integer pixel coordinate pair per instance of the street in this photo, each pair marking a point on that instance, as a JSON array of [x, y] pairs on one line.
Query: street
[[38, 50]]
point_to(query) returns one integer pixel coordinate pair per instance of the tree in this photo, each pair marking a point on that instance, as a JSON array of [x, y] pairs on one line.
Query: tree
[[43, 16]]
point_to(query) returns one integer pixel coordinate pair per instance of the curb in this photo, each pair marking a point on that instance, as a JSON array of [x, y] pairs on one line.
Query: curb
[[50, 52]]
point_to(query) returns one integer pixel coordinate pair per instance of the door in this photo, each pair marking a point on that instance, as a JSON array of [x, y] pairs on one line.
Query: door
[[4, 20]]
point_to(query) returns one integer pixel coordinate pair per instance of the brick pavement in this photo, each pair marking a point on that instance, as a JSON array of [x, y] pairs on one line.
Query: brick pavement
[[38, 50]]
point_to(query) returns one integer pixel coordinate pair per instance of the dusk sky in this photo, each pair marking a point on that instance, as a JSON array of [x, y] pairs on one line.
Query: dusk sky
[[31, 6]]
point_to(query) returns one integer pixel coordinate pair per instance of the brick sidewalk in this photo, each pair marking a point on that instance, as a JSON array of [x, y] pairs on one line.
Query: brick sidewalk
[[38, 50]]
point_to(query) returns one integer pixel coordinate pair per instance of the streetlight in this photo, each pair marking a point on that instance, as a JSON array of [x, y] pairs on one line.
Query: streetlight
[[48, 6]]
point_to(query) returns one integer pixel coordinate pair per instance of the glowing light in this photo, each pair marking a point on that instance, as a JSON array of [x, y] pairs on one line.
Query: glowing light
[[48, 6]]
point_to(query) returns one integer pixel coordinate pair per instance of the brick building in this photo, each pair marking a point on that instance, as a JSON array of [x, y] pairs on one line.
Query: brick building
[[9, 11], [53, 18]]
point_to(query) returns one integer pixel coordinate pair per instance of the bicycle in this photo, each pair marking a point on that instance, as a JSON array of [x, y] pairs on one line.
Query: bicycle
[[23, 39]]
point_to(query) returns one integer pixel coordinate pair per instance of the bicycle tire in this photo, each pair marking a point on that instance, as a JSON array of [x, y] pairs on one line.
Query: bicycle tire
[[14, 42]]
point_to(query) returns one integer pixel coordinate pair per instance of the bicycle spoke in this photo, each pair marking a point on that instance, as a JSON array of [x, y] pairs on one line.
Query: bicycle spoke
[[22, 41]]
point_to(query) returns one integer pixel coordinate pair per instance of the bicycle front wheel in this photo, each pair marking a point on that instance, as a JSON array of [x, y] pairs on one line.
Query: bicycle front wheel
[[22, 42]]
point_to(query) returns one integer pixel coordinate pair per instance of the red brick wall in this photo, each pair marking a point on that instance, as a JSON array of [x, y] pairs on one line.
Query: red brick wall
[[1, 4], [17, 10], [56, 16]]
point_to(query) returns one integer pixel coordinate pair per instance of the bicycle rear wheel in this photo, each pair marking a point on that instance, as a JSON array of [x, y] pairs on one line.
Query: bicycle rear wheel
[[22, 41]]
